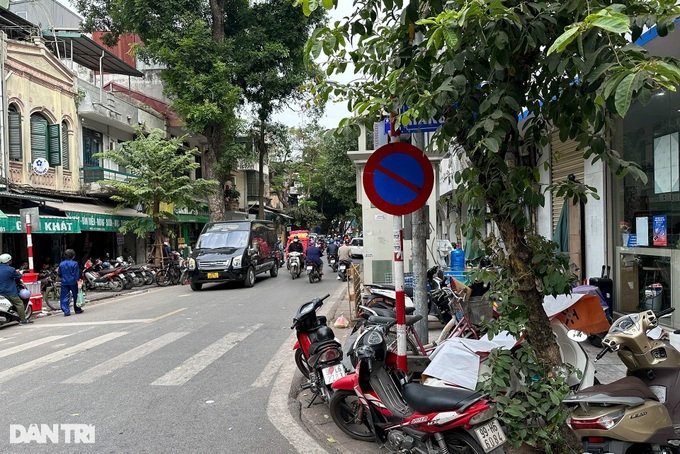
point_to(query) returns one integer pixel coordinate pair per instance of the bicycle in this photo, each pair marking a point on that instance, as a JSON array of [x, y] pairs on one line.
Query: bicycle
[[169, 275], [52, 293]]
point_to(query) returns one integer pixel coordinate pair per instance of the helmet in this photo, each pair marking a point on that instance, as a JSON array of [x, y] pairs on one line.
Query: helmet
[[25, 294], [331, 241], [5, 258]]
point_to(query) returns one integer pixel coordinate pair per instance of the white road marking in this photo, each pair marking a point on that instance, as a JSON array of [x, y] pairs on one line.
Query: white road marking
[[267, 375], [93, 323], [124, 359], [29, 345], [165, 315], [203, 359], [12, 372]]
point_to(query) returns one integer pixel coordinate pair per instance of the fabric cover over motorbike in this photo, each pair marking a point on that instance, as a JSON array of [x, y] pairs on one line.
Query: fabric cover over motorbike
[[577, 311]]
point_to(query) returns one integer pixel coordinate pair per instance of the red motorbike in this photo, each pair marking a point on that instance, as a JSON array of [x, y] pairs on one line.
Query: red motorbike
[[376, 403], [318, 355]]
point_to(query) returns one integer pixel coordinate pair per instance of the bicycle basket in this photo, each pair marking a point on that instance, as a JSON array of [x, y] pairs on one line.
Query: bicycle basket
[[477, 307]]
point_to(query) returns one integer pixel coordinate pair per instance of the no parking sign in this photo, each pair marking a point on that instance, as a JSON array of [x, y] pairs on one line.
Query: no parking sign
[[398, 178]]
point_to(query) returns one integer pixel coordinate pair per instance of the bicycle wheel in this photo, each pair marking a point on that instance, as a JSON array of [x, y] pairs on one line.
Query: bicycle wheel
[[163, 278], [51, 297]]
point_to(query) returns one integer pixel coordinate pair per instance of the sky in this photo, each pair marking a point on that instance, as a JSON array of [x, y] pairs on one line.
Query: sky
[[334, 111]]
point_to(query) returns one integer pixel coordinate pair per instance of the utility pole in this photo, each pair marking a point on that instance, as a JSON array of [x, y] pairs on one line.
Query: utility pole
[[420, 229]]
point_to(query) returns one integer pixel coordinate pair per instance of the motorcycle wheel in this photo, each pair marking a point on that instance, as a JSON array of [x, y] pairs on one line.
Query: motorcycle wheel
[[464, 443], [138, 280], [311, 277], [149, 277], [28, 311], [350, 416], [301, 362], [127, 282], [117, 284], [293, 272]]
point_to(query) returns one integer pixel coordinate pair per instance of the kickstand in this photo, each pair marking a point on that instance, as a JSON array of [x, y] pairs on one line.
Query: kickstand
[[312, 401]]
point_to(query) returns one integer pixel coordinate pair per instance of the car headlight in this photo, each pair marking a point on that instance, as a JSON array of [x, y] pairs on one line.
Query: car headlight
[[236, 262], [192, 264]]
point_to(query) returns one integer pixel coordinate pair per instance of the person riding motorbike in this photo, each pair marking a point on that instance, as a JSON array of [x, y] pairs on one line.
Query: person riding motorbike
[[344, 253], [314, 256], [8, 287], [331, 249], [296, 245]]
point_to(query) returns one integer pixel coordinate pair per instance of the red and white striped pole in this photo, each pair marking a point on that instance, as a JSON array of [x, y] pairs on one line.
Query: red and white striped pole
[[398, 272], [29, 242]]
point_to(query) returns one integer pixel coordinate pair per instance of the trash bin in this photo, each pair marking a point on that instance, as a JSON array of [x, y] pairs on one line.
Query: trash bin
[[654, 297]]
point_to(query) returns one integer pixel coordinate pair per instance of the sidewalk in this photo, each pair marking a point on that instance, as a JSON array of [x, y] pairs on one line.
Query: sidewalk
[[317, 420], [93, 296]]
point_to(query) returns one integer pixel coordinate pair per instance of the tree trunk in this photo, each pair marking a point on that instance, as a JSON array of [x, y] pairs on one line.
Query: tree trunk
[[216, 205], [217, 12], [419, 244], [262, 152]]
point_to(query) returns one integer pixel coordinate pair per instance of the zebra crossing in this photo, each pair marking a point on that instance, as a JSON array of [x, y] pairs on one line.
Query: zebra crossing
[[180, 374]]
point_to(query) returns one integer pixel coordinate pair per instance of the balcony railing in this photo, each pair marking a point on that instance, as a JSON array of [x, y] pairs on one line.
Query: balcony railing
[[93, 174]]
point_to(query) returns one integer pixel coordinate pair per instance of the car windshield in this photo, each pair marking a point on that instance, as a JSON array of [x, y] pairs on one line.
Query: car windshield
[[223, 239]]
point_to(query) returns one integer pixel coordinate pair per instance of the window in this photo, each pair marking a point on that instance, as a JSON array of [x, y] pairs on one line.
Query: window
[[92, 144], [14, 121], [252, 184], [64, 146], [45, 140]]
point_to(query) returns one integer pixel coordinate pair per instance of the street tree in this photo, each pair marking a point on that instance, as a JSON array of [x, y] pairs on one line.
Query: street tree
[[188, 39], [161, 174], [269, 41], [479, 65]]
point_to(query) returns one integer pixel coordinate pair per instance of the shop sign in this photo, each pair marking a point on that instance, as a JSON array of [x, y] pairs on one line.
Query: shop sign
[[98, 222], [48, 224]]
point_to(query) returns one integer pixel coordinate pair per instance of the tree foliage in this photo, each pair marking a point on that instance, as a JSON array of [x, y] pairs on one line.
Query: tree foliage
[[482, 65], [161, 172]]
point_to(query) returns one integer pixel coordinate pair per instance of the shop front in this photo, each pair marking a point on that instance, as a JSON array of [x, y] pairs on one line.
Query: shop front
[[646, 228]]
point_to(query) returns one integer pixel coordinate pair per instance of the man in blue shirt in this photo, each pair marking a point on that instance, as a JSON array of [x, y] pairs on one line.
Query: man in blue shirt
[[69, 272], [314, 256], [8, 287]]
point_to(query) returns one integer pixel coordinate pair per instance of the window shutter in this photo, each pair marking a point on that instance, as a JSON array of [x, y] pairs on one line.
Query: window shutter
[[64, 146], [39, 138], [54, 145], [14, 119]]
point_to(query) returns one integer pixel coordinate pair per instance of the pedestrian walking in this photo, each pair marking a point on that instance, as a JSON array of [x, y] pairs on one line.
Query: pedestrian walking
[[69, 272], [8, 287]]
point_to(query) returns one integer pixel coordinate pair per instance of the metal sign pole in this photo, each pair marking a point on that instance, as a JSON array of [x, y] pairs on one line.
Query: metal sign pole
[[398, 272], [29, 242]]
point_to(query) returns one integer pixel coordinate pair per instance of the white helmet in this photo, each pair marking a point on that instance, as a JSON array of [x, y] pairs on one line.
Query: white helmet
[[5, 258]]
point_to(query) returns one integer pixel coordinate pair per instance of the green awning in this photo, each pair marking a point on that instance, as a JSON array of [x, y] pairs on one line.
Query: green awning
[[96, 218], [48, 224], [202, 218]]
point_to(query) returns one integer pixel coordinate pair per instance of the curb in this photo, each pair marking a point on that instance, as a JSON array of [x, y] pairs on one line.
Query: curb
[[316, 420]]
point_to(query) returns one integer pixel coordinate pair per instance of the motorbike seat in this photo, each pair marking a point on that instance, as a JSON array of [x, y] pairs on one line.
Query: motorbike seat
[[316, 346], [627, 387], [390, 312], [407, 290], [102, 272], [428, 399], [410, 319]]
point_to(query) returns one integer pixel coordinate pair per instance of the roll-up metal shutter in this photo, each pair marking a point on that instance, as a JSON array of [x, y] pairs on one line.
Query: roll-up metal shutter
[[565, 160]]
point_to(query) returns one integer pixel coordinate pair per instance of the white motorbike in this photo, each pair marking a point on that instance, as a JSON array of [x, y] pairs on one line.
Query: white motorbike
[[8, 313], [295, 264]]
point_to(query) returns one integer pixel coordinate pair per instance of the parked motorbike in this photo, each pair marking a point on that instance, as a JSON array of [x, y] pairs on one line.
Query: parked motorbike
[[313, 272], [8, 312], [318, 355], [97, 277], [638, 413], [295, 264], [333, 262], [376, 403], [343, 266]]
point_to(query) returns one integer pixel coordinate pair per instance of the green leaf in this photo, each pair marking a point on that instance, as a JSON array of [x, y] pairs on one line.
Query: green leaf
[[491, 144], [328, 4], [564, 39], [624, 94], [616, 23]]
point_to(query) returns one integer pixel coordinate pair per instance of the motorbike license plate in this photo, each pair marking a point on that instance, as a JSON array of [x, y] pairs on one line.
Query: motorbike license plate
[[213, 275], [333, 373], [332, 260], [343, 267], [309, 269], [490, 435]]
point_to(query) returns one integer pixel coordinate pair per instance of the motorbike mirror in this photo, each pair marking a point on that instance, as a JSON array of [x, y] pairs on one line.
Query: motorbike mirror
[[576, 335]]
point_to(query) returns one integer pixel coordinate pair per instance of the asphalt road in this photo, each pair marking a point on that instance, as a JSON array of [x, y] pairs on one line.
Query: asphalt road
[[166, 371]]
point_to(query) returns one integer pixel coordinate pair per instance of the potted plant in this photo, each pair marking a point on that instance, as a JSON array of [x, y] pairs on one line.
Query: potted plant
[[231, 195]]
